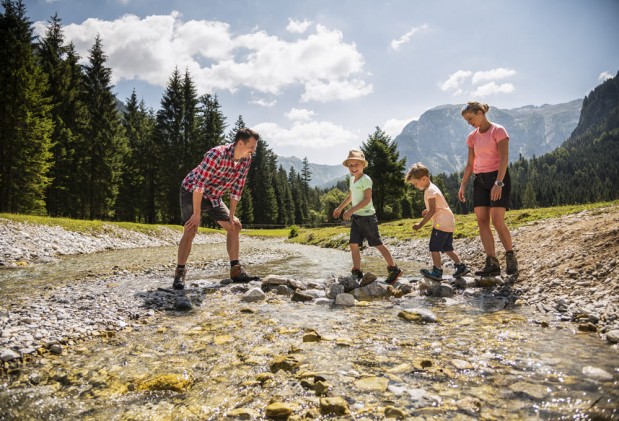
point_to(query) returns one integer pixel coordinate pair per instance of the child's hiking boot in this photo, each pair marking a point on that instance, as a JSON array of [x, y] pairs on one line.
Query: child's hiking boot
[[461, 270], [179, 278], [239, 274], [492, 267], [512, 263], [356, 273], [393, 273], [435, 273]]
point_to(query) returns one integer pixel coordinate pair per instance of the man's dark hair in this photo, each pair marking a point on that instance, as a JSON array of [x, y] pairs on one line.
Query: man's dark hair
[[244, 134]]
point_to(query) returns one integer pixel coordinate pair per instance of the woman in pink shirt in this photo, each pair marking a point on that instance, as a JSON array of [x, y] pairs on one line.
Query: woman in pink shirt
[[487, 160]]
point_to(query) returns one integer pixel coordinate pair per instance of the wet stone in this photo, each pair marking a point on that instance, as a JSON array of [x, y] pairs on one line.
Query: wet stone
[[596, 373], [612, 336], [253, 295], [334, 406], [345, 300]]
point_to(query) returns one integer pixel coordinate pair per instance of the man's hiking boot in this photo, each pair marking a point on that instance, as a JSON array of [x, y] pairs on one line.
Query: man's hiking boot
[[461, 270], [512, 263], [393, 273], [356, 273], [435, 273], [179, 278], [239, 274], [492, 267]]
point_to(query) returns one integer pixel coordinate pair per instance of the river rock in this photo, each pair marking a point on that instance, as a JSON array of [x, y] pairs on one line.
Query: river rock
[[418, 315], [349, 283], [371, 291], [243, 414], [274, 280], [393, 412], [301, 296], [596, 373], [372, 384], [174, 382], [278, 410], [8, 355], [334, 290], [183, 303], [253, 295], [367, 279], [535, 391], [334, 406], [612, 336], [345, 300]]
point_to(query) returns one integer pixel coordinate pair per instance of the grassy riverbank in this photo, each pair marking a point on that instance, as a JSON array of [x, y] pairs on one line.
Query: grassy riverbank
[[334, 237]]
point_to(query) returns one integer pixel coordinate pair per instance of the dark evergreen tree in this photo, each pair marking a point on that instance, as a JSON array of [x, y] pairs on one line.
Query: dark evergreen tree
[[283, 195], [60, 62], [169, 147], [106, 144], [386, 170], [211, 126], [133, 195], [260, 180], [25, 121], [301, 207]]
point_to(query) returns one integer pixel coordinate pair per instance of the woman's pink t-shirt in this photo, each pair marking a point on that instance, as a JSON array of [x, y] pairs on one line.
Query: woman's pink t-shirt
[[485, 147]]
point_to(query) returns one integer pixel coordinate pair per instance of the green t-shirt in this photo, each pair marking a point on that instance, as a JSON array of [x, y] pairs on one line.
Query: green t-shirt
[[357, 189]]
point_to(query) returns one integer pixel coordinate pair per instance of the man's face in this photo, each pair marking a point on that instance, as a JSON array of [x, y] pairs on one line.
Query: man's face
[[245, 150]]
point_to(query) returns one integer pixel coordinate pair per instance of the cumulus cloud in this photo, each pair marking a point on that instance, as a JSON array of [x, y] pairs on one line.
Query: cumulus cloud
[[263, 102], [455, 80], [604, 76], [299, 114], [468, 82], [317, 139], [493, 88], [404, 39], [393, 127], [150, 48], [494, 74], [297, 26]]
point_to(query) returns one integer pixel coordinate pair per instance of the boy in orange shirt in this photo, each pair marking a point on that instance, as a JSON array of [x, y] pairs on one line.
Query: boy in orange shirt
[[443, 223]]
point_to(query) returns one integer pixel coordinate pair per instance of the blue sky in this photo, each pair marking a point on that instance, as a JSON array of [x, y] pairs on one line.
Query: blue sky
[[316, 77]]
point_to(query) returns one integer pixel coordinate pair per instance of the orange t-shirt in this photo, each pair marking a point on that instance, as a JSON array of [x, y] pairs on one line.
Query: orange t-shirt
[[485, 147]]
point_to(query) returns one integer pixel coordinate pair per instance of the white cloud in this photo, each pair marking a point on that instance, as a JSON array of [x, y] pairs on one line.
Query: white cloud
[[315, 135], [149, 49], [455, 80], [331, 90], [299, 114], [263, 102], [493, 88], [297, 26], [491, 75], [397, 43], [604, 76], [393, 127]]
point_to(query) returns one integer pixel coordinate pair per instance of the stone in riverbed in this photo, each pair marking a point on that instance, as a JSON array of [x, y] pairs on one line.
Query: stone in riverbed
[[8, 355], [596, 373], [334, 406], [613, 336], [253, 295]]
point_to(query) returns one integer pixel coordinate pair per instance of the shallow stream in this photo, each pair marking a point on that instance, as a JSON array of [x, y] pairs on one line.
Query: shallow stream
[[228, 359]]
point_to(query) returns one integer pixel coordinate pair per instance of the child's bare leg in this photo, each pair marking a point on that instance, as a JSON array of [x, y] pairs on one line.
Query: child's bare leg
[[356, 255], [436, 259], [386, 255], [454, 257]]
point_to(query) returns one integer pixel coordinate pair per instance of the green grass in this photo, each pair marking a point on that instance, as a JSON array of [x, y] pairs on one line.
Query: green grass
[[332, 237], [466, 225]]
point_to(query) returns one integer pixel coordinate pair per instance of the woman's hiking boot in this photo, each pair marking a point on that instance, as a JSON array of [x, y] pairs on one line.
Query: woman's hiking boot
[[179, 278], [435, 273], [492, 267], [356, 273], [461, 270], [511, 263], [393, 273]]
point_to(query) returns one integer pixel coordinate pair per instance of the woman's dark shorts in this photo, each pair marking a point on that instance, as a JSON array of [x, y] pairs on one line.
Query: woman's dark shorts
[[365, 227], [218, 213], [441, 241], [483, 185]]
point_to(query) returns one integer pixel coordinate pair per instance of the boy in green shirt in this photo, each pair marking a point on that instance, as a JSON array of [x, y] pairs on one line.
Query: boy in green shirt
[[363, 215]]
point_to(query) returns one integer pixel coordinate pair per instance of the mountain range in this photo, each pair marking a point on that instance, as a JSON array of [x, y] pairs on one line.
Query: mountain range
[[438, 138]]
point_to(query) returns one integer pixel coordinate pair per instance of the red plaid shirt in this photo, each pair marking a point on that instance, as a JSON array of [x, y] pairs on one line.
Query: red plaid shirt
[[217, 173]]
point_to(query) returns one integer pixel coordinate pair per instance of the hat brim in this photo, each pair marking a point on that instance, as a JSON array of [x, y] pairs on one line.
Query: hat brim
[[345, 163]]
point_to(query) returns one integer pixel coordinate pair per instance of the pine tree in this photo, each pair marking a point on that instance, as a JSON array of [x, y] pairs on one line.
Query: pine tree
[[25, 122], [386, 170], [169, 139], [260, 179], [211, 125], [106, 144], [131, 204], [283, 195], [60, 62]]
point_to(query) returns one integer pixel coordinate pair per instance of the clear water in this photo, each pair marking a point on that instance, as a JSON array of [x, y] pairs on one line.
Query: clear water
[[472, 364]]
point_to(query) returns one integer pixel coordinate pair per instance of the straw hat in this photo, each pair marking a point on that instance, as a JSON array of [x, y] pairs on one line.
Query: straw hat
[[356, 155]]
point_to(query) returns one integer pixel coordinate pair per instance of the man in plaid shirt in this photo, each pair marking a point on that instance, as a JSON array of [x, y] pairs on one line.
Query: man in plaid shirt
[[223, 168]]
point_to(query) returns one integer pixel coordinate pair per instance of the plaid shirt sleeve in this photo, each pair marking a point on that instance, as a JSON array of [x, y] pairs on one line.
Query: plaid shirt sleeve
[[201, 173]]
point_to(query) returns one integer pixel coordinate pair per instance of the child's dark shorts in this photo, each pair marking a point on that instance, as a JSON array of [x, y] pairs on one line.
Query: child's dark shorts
[[365, 227], [483, 185], [217, 213], [441, 241]]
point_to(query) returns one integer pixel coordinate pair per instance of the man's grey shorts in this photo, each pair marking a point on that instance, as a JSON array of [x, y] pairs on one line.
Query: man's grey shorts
[[365, 227], [218, 213]]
